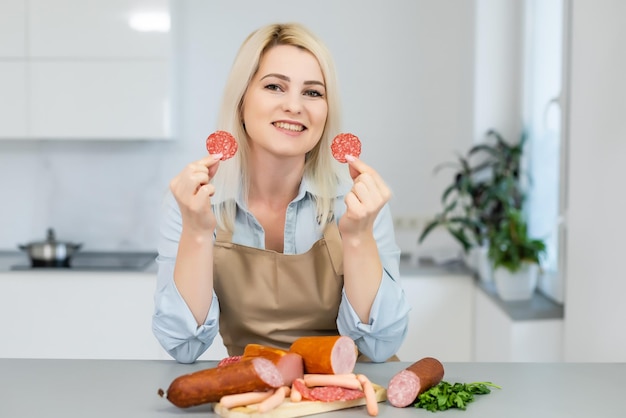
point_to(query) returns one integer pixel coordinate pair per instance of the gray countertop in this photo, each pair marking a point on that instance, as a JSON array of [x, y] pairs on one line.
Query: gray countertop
[[128, 388]]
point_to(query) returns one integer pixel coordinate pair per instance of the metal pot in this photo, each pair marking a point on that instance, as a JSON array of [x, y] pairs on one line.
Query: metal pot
[[50, 253]]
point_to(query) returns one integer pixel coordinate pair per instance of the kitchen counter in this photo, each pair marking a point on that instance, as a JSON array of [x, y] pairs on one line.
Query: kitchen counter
[[128, 388], [85, 261]]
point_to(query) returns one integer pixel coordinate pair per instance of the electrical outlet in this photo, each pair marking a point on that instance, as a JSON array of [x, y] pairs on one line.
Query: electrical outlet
[[408, 222]]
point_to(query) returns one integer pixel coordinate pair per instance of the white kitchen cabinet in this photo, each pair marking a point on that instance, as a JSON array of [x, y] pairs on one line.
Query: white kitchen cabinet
[[13, 103], [501, 338], [12, 29], [88, 74], [50, 314], [95, 29], [99, 100], [441, 319]]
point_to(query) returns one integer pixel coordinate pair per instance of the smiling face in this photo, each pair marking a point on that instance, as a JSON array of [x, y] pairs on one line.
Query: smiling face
[[285, 108]]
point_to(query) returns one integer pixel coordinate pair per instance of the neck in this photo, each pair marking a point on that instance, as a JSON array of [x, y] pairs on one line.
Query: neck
[[275, 183]]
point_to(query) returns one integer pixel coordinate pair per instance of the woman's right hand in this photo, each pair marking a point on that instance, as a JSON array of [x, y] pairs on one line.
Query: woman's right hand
[[192, 191]]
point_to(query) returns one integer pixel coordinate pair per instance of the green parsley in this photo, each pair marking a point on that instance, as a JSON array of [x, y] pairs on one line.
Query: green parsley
[[445, 396]]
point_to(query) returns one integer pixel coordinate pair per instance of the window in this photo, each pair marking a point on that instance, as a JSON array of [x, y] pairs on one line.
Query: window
[[545, 115]]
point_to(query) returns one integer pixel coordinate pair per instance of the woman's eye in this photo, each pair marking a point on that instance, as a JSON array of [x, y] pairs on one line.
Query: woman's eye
[[274, 87], [313, 93]]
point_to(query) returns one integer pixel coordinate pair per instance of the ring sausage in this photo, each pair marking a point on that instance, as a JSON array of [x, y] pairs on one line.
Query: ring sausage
[[408, 384], [209, 385]]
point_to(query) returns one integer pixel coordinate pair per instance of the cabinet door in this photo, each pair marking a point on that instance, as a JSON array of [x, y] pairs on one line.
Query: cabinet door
[[99, 99], [13, 99], [12, 28], [441, 318], [95, 29]]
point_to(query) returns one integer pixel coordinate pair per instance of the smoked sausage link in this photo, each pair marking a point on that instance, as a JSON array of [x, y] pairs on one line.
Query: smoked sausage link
[[209, 385], [408, 384], [329, 354]]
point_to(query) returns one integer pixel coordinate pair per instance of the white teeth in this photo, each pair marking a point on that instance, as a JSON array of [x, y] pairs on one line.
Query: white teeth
[[289, 126]]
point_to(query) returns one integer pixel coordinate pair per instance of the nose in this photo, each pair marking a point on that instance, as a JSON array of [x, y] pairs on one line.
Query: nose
[[292, 102]]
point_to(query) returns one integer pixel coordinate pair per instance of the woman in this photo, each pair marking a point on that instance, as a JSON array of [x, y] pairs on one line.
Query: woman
[[280, 241]]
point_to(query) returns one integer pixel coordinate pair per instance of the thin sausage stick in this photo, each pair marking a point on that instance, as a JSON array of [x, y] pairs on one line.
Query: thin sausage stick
[[346, 380], [243, 399], [370, 395], [274, 400], [295, 396]]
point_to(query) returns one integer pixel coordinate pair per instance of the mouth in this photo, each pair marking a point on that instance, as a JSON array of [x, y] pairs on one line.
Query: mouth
[[293, 127]]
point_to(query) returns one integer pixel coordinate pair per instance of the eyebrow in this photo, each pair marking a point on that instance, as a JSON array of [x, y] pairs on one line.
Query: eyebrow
[[285, 78]]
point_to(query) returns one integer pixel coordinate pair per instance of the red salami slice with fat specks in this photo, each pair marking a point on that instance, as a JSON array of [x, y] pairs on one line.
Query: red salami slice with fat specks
[[345, 144], [335, 393], [222, 142], [229, 360], [326, 393], [304, 390]]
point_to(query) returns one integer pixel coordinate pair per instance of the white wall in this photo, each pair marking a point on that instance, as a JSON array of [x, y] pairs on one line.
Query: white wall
[[405, 69], [595, 311]]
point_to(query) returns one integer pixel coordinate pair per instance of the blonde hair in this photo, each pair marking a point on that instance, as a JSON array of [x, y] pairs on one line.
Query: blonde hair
[[320, 168]]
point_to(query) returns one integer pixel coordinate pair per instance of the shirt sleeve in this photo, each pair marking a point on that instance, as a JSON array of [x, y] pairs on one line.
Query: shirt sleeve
[[388, 323], [173, 324]]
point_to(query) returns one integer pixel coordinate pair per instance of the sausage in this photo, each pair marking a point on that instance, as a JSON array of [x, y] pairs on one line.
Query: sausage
[[408, 384], [370, 395], [243, 399], [347, 380], [290, 365], [274, 401], [329, 354], [209, 385]]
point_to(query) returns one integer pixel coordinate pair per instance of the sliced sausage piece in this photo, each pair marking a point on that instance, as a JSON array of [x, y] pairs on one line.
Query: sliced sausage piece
[[222, 142], [290, 365], [345, 144], [408, 384], [228, 360], [335, 393], [330, 354], [209, 385], [305, 392]]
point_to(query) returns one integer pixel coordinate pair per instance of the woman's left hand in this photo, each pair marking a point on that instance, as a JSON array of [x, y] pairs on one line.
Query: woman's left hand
[[364, 201]]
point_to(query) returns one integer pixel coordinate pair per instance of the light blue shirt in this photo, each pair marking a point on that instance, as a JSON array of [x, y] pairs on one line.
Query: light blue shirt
[[176, 328]]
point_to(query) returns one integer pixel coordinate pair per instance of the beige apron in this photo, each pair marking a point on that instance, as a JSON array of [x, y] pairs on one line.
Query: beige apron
[[271, 298]]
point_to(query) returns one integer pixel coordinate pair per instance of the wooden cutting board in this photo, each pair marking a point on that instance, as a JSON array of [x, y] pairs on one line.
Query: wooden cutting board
[[290, 409]]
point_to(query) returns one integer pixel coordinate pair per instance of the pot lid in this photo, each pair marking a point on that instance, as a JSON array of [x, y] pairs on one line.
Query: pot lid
[[51, 239]]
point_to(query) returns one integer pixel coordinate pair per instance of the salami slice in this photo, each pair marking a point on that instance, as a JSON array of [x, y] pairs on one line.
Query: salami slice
[[345, 144], [222, 142], [229, 360], [304, 390], [335, 393]]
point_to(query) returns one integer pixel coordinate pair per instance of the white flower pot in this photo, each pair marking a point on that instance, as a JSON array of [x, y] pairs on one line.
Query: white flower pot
[[520, 285], [483, 264]]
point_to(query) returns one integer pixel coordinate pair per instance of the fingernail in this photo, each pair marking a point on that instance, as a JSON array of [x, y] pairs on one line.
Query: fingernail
[[217, 156], [350, 157]]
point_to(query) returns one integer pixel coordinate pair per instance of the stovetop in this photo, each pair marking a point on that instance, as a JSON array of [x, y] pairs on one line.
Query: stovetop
[[97, 261]]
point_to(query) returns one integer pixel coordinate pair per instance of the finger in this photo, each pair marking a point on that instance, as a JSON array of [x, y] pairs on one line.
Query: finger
[[210, 159]]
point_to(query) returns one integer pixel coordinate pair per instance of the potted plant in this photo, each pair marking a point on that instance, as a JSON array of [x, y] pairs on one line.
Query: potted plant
[[485, 197], [515, 257]]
